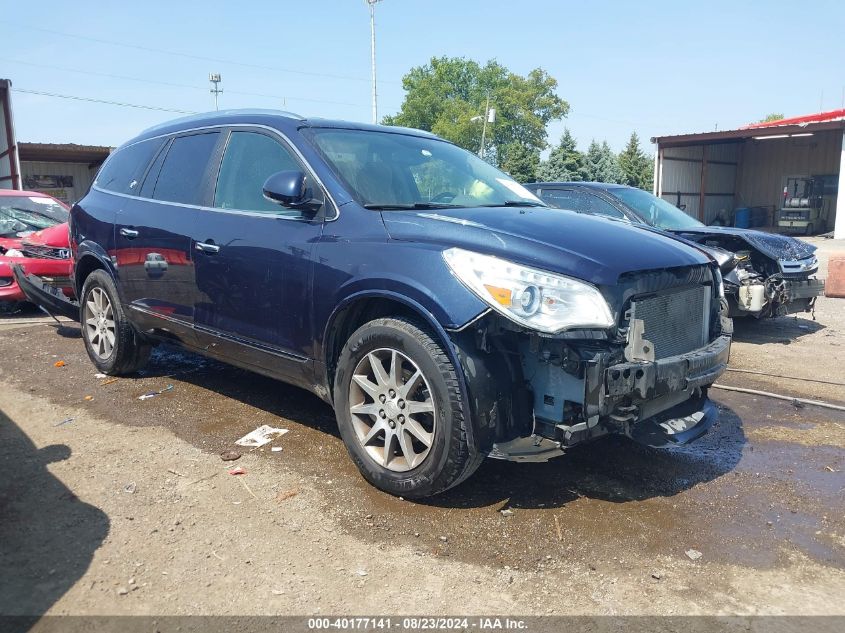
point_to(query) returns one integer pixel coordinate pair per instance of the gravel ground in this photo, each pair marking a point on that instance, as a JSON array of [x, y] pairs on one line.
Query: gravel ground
[[128, 508]]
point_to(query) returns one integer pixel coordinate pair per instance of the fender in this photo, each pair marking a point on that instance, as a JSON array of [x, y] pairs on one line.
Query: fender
[[449, 345], [87, 250]]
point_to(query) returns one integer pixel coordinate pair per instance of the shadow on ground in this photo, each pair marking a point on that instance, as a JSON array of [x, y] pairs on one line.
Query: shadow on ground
[[614, 469], [783, 330], [47, 535]]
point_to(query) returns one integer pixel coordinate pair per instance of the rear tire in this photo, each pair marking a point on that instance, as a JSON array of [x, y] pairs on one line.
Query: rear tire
[[112, 343], [413, 443]]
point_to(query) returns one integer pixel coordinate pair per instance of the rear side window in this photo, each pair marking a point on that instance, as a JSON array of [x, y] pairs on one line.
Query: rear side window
[[249, 160], [182, 173], [124, 169]]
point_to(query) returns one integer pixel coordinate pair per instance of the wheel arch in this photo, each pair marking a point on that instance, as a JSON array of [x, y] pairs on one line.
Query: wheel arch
[[90, 257], [362, 307]]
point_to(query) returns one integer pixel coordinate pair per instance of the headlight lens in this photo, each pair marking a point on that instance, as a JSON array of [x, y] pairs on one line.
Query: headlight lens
[[534, 298]]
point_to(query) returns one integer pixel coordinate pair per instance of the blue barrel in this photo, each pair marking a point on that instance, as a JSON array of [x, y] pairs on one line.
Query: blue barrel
[[742, 218], [759, 216]]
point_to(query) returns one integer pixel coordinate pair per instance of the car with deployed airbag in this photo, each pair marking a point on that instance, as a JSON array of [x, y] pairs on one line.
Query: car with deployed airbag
[[444, 311]]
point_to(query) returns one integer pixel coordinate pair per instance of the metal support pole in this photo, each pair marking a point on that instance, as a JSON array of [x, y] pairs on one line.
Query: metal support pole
[[839, 226], [484, 127], [372, 4]]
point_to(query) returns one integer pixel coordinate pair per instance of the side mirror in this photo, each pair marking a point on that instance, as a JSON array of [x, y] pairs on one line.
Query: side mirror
[[289, 189]]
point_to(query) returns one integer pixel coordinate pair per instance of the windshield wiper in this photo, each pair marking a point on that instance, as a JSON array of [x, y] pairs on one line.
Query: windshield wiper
[[412, 206], [515, 203]]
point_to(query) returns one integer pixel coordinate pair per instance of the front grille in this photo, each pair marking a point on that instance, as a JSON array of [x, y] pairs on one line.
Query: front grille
[[45, 252], [675, 322]]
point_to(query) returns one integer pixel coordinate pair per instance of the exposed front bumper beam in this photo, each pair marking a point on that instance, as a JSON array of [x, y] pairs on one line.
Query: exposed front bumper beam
[[806, 289], [649, 380]]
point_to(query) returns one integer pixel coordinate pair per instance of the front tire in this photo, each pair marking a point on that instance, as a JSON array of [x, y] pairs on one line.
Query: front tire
[[112, 343], [401, 412]]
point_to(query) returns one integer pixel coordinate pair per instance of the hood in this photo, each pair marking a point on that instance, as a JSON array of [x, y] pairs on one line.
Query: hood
[[778, 247], [586, 247], [55, 236]]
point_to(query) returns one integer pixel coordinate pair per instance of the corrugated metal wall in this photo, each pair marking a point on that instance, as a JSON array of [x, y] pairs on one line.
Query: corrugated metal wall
[[82, 177], [682, 177], [748, 173], [767, 163]]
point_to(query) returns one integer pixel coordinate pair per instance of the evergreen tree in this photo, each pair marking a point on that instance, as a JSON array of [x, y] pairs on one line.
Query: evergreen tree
[[565, 162], [637, 168], [601, 164], [521, 162]]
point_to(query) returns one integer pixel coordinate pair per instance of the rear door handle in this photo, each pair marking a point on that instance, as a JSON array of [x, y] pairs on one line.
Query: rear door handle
[[205, 247], [129, 233]]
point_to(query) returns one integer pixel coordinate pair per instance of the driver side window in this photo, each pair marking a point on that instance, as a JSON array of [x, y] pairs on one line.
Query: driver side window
[[250, 158]]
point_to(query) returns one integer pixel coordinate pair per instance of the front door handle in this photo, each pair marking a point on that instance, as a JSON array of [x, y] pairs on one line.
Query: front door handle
[[205, 247], [129, 233]]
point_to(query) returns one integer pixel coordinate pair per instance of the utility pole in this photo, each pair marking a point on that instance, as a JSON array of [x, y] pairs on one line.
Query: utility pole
[[484, 127], [372, 4], [215, 79], [489, 117]]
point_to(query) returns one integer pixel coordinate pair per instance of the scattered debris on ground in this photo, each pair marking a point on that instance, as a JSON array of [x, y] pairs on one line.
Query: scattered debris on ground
[[230, 456], [264, 434], [65, 421], [153, 394], [284, 495], [693, 554]]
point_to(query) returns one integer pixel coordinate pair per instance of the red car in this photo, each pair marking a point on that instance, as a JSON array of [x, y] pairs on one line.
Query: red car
[[34, 234]]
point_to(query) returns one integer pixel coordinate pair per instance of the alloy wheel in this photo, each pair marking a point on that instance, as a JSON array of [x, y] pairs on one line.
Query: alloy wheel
[[99, 322], [392, 410]]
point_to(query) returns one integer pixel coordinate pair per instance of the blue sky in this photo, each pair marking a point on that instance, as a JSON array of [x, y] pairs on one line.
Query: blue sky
[[653, 67]]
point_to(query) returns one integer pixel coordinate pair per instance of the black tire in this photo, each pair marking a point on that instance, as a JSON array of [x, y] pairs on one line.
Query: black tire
[[452, 457], [129, 353]]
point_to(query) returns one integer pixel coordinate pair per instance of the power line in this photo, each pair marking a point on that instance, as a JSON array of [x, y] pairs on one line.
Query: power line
[[117, 103], [215, 60], [94, 73]]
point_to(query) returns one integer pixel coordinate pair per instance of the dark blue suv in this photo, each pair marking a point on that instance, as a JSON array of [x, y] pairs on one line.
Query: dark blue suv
[[444, 311]]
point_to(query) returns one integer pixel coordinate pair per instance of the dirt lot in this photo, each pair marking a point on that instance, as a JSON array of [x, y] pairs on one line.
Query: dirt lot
[[128, 509]]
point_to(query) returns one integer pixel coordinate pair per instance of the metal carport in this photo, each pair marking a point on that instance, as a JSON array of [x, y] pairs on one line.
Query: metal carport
[[710, 174]]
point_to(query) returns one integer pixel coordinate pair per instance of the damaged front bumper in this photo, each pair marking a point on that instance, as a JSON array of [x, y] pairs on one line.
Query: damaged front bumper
[[46, 294], [777, 296], [659, 403]]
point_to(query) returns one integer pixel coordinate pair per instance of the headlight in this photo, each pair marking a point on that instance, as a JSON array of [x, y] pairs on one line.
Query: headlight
[[534, 298]]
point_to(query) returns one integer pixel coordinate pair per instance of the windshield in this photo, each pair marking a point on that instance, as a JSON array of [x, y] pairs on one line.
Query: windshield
[[22, 215], [383, 170], [655, 211]]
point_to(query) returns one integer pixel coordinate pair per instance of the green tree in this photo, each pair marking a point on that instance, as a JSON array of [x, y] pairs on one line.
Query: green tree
[[520, 161], [444, 95], [637, 168], [601, 164], [565, 162], [774, 116]]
